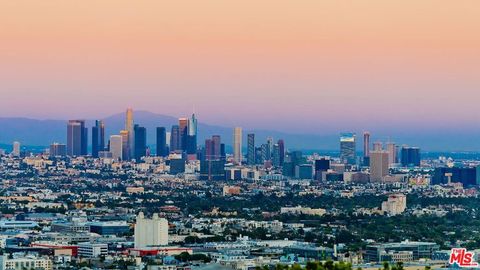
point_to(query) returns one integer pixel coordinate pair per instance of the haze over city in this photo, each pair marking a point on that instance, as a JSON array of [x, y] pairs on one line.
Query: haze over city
[[310, 67]]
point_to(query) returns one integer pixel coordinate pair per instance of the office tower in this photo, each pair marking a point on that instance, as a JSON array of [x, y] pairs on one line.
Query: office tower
[[212, 170], [292, 160], [161, 142], [58, 150], [223, 154], [348, 148], [77, 138], [140, 142], [410, 156], [168, 137], [150, 232], [125, 146], [237, 145], [378, 165], [270, 148], [192, 135], [98, 138], [258, 155], [366, 144], [392, 153], [468, 176], [129, 125], [281, 149], [183, 131], [16, 149], [217, 147], [321, 165], [377, 146], [177, 165], [208, 155], [265, 152], [304, 171], [212, 165], [175, 139], [276, 155], [251, 149], [116, 146]]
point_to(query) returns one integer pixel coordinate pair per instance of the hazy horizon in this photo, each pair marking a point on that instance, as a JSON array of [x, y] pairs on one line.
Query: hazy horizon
[[309, 67]]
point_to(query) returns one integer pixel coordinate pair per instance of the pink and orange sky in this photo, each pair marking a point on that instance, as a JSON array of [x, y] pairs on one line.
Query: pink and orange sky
[[303, 65]]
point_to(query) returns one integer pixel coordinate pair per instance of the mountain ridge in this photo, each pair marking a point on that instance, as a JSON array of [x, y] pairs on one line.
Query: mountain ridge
[[51, 130]]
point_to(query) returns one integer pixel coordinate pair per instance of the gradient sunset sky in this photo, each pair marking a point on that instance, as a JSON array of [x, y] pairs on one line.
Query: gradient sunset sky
[[307, 66]]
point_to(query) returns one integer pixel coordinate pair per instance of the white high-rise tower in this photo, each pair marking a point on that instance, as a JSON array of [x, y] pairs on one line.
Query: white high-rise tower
[[237, 145]]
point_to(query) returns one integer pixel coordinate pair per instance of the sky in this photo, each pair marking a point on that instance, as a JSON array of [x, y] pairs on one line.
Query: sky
[[307, 66]]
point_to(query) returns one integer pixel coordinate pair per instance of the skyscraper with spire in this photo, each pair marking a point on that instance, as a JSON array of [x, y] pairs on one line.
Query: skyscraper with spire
[[192, 135]]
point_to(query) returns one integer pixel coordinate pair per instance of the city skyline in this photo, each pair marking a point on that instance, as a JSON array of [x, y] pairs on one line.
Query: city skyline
[[52, 131]]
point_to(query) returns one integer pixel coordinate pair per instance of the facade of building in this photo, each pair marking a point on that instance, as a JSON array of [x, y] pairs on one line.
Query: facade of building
[[395, 204], [378, 165], [366, 144], [251, 149], [16, 149], [151, 232], [77, 138], [116, 147], [92, 250], [237, 145], [161, 140], [410, 156], [191, 147], [129, 126], [392, 153], [419, 250], [58, 150], [98, 138], [140, 142], [27, 262], [348, 148]]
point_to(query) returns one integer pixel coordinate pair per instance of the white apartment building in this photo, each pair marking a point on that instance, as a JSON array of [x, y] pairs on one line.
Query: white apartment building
[[395, 204], [151, 232], [27, 262], [90, 250]]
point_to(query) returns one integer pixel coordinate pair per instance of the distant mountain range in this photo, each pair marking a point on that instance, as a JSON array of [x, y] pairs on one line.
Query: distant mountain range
[[41, 133]]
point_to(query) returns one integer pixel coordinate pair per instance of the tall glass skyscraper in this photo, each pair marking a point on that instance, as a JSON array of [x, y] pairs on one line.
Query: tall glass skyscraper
[[237, 145], [251, 149], [366, 144], [161, 142], [281, 149], [175, 138], [192, 135], [131, 134], [77, 138], [410, 156], [140, 142], [348, 148], [98, 138], [183, 132]]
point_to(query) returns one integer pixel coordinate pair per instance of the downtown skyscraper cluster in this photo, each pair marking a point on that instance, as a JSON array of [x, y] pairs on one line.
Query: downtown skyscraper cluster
[[131, 142]]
